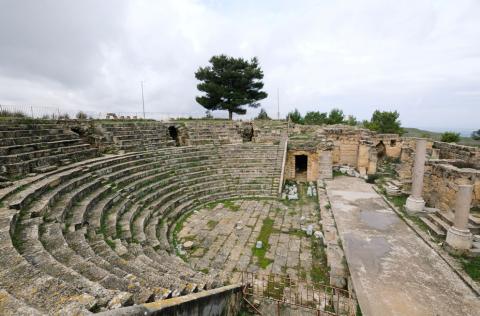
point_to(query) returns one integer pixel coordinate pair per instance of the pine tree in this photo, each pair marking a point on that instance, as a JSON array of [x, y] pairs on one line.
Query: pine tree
[[229, 84]]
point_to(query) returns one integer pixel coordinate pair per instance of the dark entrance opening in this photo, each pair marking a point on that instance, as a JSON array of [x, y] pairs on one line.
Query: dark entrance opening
[[173, 132], [301, 163], [381, 150], [247, 133]]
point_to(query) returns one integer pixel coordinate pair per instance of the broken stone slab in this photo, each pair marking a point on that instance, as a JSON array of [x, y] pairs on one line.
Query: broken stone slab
[[318, 234], [119, 300], [309, 230], [188, 244]]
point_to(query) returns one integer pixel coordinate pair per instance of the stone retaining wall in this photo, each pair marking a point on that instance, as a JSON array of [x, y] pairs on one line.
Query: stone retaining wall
[[225, 301], [468, 154], [441, 182]]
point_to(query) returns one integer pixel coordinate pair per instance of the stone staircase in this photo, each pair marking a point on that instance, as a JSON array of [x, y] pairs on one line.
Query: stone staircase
[[213, 132], [39, 147], [94, 236], [137, 136], [438, 223]]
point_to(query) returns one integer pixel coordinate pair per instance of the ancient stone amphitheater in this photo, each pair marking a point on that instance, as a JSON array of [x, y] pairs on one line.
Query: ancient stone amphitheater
[[89, 210]]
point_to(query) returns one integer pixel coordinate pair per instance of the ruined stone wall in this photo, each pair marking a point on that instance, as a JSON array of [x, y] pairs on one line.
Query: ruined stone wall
[[393, 144], [468, 154], [268, 131], [407, 156], [441, 182]]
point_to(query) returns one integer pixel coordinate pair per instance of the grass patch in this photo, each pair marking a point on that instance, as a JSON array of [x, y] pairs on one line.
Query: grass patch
[[264, 235], [231, 205], [319, 271], [176, 231], [471, 266], [297, 232], [337, 173], [212, 224], [398, 201]]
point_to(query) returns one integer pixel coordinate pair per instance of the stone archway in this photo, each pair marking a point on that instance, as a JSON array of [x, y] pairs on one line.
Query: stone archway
[[381, 150]]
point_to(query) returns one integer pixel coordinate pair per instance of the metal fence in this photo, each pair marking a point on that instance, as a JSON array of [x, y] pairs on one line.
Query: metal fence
[[323, 299], [55, 113]]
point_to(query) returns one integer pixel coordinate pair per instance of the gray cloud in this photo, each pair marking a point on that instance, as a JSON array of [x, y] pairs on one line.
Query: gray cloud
[[419, 57]]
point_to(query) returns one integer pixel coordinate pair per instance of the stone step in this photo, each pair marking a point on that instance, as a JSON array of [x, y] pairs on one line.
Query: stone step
[[432, 227], [439, 222]]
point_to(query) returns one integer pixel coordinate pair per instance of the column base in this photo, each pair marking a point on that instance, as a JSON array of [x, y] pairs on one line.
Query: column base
[[458, 240], [413, 206]]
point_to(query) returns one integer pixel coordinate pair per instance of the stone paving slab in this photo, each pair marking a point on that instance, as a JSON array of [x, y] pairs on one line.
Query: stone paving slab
[[394, 272], [224, 235]]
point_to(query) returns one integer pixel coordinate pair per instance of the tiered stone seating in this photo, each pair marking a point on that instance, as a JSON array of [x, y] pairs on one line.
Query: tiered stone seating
[[95, 236], [39, 147], [213, 132], [138, 136], [269, 131]]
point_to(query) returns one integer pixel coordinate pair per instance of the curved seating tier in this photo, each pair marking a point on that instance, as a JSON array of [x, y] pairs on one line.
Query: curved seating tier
[[138, 136], [213, 132], [94, 236], [39, 147]]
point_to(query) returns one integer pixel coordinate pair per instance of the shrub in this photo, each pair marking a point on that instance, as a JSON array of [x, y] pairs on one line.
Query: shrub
[[315, 118], [371, 178], [476, 135], [450, 137], [6, 113], [208, 115], [295, 117], [81, 116], [262, 115], [64, 117]]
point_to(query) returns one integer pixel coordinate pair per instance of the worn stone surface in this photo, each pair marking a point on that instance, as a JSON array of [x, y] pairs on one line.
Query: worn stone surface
[[225, 248], [393, 271]]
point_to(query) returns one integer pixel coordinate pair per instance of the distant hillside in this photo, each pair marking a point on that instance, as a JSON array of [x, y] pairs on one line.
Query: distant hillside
[[415, 132]]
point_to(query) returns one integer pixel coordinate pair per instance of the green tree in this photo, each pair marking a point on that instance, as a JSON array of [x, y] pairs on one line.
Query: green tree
[[384, 122], [476, 135], [315, 118], [335, 116], [450, 137], [229, 84], [263, 115], [295, 117], [351, 120]]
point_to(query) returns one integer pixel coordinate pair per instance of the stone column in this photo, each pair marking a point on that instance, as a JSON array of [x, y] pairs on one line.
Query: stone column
[[415, 202], [459, 237]]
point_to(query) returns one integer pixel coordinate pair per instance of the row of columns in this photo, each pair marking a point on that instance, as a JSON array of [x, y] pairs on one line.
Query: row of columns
[[459, 236]]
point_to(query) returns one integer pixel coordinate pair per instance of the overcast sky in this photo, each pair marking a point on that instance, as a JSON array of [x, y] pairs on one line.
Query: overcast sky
[[419, 57]]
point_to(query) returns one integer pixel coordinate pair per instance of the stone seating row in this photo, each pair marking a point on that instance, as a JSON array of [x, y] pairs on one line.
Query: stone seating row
[[40, 148], [100, 231], [138, 136], [218, 133]]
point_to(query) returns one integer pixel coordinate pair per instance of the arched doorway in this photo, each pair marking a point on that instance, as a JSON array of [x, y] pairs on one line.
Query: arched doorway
[[381, 150], [173, 133]]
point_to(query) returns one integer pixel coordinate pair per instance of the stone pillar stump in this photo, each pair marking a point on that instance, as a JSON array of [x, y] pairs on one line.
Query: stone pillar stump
[[459, 237], [415, 202]]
